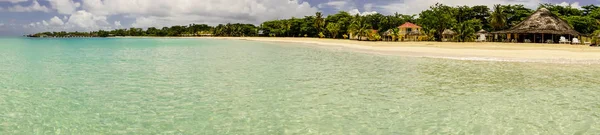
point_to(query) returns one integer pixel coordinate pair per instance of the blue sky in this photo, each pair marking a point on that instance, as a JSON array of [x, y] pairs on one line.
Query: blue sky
[[19, 17]]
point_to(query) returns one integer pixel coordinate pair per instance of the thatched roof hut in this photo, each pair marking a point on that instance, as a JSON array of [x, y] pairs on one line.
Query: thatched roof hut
[[542, 22], [448, 32]]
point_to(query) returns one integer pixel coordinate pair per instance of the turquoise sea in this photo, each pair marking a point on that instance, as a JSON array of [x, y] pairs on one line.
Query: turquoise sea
[[207, 86]]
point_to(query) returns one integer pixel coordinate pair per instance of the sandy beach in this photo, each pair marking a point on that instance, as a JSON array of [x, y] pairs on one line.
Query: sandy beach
[[489, 51]]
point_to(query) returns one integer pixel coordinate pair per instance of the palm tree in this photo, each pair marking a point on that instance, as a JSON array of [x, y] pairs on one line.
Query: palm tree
[[319, 22], [395, 33], [359, 27], [498, 18], [466, 30]]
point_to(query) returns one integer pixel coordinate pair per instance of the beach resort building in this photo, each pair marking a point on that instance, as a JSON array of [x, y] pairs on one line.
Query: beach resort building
[[541, 27], [411, 32]]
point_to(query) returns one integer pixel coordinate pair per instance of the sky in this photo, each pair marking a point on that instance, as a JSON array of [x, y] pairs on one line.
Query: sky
[[18, 17]]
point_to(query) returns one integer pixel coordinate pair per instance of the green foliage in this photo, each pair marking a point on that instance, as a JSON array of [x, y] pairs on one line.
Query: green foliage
[[515, 14], [342, 18], [374, 36], [345, 36], [321, 35], [395, 34], [498, 18], [595, 36], [359, 27], [583, 24], [433, 20], [466, 30], [437, 18], [319, 22], [334, 29], [232, 30]]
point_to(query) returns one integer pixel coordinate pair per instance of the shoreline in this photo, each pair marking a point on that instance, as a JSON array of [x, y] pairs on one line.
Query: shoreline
[[473, 51], [470, 51]]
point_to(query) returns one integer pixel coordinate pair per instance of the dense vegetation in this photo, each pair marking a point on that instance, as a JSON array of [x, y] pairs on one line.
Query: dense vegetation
[[465, 20]]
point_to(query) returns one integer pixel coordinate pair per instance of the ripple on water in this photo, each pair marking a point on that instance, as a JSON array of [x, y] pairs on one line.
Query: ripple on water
[[190, 86]]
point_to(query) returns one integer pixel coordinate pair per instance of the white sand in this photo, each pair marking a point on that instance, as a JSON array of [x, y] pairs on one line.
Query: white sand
[[490, 51]]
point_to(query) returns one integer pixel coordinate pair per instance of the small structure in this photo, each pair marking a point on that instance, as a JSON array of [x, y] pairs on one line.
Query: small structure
[[448, 35], [414, 35], [483, 36], [541, 27], [407, 30]]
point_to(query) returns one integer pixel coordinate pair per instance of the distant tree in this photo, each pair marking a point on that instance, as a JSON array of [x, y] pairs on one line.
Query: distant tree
[[583, 24], [319, 22], [466, 30], [359, 27], [589, 9], [436, 19], [334, 29], [498, 18]]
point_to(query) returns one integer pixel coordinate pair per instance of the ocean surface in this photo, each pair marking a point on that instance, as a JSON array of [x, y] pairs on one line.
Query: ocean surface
[[207, 86]]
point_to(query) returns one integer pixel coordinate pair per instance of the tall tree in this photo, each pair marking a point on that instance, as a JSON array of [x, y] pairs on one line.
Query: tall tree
[[319, 22], [589, 9], [466, 30], [334, 29], [359, 27], [498, 18], [583, 24], [436, 19], [483, 14]]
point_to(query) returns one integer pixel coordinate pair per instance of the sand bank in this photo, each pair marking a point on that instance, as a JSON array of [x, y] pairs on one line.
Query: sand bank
[[523, 52]]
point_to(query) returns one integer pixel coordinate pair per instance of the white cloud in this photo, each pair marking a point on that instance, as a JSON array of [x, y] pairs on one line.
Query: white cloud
[[356, 11], [56, 21], [183, 12], [87, 21], [13, 1], [66, 6], [78, 21], [416, 6], [574, 4], [337, 5], [1, 24], [34, 7], [117, 23]]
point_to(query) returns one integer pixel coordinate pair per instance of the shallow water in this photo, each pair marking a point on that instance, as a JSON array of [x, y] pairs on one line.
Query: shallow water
[[202, 86]]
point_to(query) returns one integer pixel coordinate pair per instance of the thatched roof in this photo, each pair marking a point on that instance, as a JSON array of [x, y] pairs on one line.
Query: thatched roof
[[541, 22], [448, 32], [482, 31]]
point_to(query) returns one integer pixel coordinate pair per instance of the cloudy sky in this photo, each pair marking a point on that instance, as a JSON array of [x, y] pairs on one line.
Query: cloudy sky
[[19, 17]]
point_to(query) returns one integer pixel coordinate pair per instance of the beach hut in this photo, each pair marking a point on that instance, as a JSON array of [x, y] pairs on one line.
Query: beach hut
[[414, 35], [412, 31], [540, 27], [448, 35], [483, 35]]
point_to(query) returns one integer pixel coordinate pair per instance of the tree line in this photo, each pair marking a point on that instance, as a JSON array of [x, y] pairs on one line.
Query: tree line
[[464, 20]]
